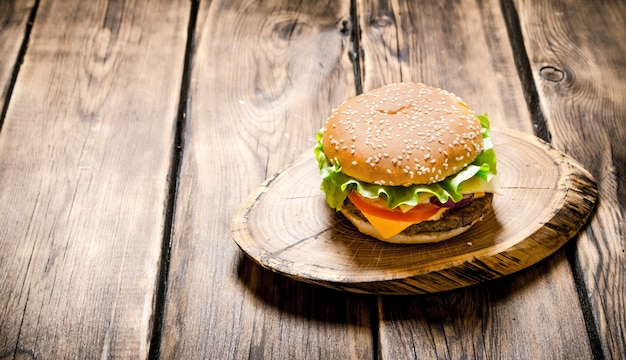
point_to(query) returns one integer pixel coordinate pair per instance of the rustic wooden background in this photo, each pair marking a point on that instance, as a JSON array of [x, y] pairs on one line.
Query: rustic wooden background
[[130, 131]]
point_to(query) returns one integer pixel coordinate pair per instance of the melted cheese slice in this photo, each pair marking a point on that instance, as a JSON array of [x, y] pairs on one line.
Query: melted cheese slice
[[389, 228], [386, 228]]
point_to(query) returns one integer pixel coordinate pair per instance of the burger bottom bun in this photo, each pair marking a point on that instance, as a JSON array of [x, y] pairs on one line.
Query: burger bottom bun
[[454, 222]]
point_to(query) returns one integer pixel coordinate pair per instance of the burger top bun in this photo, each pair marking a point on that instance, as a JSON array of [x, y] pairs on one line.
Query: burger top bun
[[403, 134]]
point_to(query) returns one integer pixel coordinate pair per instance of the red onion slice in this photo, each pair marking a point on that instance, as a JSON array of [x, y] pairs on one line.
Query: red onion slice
[[450, 204]]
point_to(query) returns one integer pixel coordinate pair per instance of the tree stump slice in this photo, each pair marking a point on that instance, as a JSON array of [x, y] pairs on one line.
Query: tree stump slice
[[287, 227]]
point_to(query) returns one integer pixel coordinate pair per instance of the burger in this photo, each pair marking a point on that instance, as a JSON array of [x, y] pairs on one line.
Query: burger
[[407, 163]]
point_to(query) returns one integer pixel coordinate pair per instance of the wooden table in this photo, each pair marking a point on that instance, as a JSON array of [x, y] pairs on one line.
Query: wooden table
[[131, 131]]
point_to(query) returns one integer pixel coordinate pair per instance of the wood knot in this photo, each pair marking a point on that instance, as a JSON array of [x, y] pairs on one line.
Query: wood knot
[[551, 73], [291, 29], [381, 22]]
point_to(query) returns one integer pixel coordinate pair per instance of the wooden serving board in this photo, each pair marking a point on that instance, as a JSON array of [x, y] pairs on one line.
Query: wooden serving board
[[287, 227]]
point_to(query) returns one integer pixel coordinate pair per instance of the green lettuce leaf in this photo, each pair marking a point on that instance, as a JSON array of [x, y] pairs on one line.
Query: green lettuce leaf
[[337, 185]]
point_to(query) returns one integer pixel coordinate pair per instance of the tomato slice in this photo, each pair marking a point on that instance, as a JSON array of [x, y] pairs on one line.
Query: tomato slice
[[378, 207]]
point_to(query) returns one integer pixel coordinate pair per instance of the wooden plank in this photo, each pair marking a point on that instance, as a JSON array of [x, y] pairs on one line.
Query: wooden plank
[[464, 48], [265, 77], [84, 158], [13, 28], [576, 51], [524, 316]]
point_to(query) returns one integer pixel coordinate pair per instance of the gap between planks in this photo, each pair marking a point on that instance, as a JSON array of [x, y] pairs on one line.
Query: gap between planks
[[173, 176]]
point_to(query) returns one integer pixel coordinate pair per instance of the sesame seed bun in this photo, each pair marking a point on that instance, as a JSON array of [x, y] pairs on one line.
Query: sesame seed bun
[[403, 134]]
